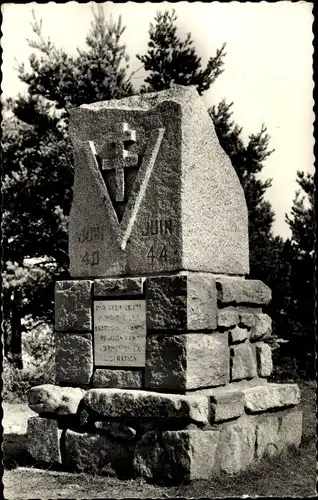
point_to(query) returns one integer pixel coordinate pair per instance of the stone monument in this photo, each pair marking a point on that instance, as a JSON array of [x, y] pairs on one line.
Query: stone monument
[[162, 353]]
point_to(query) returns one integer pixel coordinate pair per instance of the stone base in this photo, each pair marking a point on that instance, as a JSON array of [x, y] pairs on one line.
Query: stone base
[[164, 438]]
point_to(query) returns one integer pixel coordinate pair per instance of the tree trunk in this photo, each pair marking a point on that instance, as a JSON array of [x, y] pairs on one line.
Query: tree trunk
[[16, 330]]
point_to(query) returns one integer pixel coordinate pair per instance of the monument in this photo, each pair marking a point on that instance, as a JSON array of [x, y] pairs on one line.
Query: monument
[[162, 353]]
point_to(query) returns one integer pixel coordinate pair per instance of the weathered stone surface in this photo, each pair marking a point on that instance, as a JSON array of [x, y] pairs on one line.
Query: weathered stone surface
[[262, 328], [114, 403], [239, 334], [43, 440], [97, 453], [122, 379], [236, 447], [186, 301], [246, 319], [228, 318], [242, 362], [291, 428], [177, 456], [167, 213], [267, 437], [187, 361], [226, 405], [242, 291], [73, 358], [49, 398], [264, 359], [116, 430], [73, 302], [118, 287], [263, 398]]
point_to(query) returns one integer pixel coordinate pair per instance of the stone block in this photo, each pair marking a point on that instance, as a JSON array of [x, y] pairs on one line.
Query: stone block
[[236, 447], [186, 361], [49, 398], [118, 287], [122, 379], [247, 319], [73, 358], [266, 397], [182, 302], [226, 406], [264, 359], [43, 440], [177, 456], [73, 306], [92, 452], [239, 334], [134, 404], [290, 431], [262, 328], [228, 318], [241, 291], [155, 208], [242, 362], [267, 437], [116, 430]]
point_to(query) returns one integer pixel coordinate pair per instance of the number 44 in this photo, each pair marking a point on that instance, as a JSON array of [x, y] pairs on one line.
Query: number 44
[[162, 257]]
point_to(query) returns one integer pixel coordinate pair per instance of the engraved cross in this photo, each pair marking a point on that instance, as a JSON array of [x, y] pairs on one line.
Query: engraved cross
[[116, 156]]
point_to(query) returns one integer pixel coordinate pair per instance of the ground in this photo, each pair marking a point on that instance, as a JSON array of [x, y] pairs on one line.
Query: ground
[[293, 474]]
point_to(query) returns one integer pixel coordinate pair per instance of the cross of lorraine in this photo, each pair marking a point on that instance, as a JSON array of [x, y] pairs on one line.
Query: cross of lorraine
[[116, 156]]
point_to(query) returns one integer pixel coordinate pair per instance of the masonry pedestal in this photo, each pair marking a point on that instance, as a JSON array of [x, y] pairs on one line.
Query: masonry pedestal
[[199, 405]]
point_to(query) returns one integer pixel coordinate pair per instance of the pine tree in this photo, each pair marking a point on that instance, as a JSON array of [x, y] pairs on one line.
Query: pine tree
[[171, 60], [301, 307], [38, 162]]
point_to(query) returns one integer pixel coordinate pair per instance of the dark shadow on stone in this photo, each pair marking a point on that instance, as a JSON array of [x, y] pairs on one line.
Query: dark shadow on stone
[[15, 451]]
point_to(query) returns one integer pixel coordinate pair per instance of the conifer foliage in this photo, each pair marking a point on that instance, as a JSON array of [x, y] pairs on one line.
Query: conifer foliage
[[38, 163], [172, 60]]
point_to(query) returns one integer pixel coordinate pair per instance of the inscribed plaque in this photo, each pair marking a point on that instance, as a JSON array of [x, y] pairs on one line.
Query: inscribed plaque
[[120, 333]]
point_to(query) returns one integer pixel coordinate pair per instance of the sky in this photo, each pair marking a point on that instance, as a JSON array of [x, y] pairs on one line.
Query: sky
[[268, 67]]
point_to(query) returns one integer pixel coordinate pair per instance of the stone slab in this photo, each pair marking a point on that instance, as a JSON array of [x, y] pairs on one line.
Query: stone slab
[[118, 287], [236, 447], [239, 334], [184, 301], [73, 303], [180, 204], [134, 404], [264, 359], [49, 398], [116, 430], [247, 320], [73, 358], [291, 428], [92, 452], [226, 406], [177, 456], [186, 361], [120, 333], [228, 318], [263, 398], [267, 437], [242, 291], [242, 362], [122, 379], [262, 328], [43, 440]]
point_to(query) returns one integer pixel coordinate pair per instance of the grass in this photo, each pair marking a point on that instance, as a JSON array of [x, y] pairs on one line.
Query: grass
[[291, 475]]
